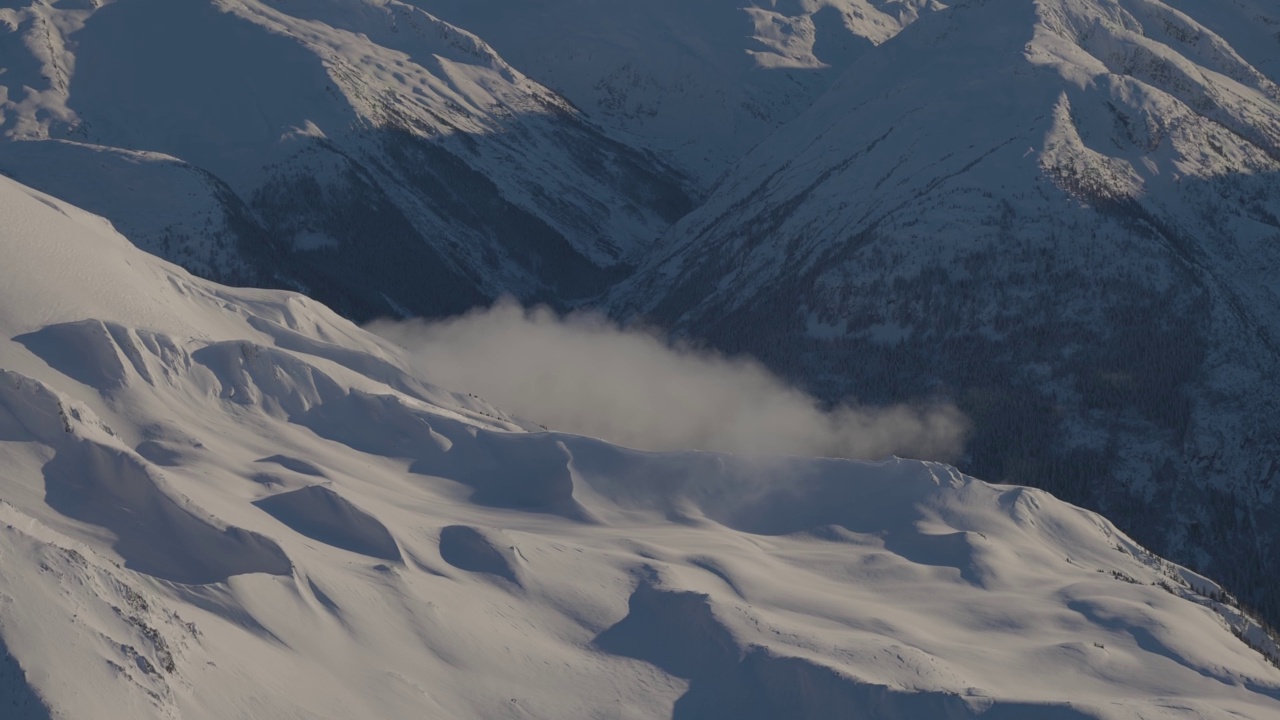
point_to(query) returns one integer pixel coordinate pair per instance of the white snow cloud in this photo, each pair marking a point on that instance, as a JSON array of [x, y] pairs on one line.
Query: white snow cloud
[[584, 374]]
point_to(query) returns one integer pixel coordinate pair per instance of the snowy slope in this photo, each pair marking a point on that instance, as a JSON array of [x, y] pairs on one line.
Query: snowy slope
[[362, 149], [702, 82], [1063, 214], [232, 503]]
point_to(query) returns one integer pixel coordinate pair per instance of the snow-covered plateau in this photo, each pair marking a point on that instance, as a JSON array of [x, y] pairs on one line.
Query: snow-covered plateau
[[221, 503]]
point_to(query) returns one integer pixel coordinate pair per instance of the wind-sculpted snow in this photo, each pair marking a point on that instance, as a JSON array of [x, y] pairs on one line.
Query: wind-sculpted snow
[[310, 528], [299, 466], [94, 481], [321, 514], [503, 470], [19, 701], [679, 632], [467, 548], [97, 353], [154, 533]]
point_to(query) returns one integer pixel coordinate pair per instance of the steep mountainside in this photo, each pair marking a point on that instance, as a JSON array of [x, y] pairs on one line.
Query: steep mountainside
[[1065, 214], [225, 503], [363, 150], [702, 82]]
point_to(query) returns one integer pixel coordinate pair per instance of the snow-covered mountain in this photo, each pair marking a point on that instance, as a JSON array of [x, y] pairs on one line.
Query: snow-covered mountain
[[233, 503], [1062, 214], [701, 82], [363, 150], [1065, 214]]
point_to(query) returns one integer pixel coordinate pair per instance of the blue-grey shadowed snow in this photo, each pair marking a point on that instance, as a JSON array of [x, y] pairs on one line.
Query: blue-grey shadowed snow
[[1097, 613], [467, 548], [762, 496], [18, 701], [783, 496], [219, 600], [84, 351], [12, 428], [154, 534], [294, 464], [678, 632], [323, 598], [160, 453], [371, 367], [268, 480], [503, 469], [508, 470], [322, 514], [163, 443], [674, 630], [717, 568]]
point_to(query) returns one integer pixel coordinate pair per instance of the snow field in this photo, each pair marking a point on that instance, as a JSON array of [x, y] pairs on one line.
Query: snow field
[[232, 503]]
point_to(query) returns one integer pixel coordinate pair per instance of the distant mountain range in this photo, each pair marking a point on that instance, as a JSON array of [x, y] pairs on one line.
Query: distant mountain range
[[703, 82], [1062, 214], [366, 152]]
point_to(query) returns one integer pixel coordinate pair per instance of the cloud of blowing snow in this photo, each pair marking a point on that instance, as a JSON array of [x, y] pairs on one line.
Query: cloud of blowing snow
[[584, 374]]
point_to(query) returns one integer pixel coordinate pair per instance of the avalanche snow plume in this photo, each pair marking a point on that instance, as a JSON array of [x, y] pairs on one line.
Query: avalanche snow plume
[[223, 503], [584, 374]]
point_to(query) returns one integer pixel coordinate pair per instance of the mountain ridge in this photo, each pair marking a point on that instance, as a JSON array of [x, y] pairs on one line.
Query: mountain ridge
[[1078, 217], [455, 563], [701, 83], [340, 143], [1059, 214]]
